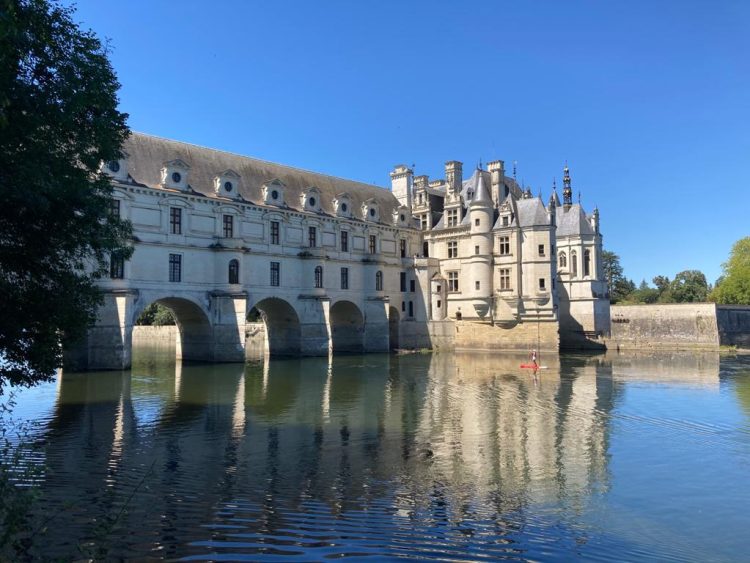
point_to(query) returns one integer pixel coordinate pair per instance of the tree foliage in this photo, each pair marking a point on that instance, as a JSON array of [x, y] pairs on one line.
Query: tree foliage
[[689, 286], [156, 314], [733, 287], [619, 286], [58, 122]]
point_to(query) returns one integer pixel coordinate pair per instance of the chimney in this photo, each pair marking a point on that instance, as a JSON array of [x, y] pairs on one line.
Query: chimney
[[497, 171], [401, 184], [454, 178]]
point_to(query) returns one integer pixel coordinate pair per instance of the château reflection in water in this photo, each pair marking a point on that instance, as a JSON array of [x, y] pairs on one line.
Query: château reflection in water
[[191, 459]]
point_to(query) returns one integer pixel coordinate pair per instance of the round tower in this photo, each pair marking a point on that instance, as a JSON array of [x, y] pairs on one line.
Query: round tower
[[481, 215]]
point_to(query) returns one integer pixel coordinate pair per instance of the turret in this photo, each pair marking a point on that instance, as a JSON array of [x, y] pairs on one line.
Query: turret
[[401, 184]]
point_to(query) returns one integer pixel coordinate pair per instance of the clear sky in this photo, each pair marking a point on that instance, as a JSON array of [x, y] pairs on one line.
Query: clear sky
[[648, 101]]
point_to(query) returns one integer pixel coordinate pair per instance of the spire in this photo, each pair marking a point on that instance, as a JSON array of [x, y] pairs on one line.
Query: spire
[[515, 164], [567, 191], [481, 195]]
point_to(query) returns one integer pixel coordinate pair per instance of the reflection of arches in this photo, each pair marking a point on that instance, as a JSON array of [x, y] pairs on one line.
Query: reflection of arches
[[194, 334], [393, 320], [282, 326], [347, 328]]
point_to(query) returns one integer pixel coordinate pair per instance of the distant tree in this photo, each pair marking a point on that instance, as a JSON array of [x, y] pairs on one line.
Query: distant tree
[[644, 294], [619, 286], [58, 122], [733, 287], [689, 286]]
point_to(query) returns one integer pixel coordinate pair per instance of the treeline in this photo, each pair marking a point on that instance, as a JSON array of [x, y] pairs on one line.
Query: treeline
[[689, 286]]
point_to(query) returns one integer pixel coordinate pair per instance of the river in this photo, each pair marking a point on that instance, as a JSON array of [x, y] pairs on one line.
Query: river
[[456, 457]]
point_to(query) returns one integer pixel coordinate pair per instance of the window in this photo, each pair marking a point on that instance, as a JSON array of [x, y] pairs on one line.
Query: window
[[437, 288], [574, 263], [114, 166], [426, 249], [542, 284], [438, 303], [116, 266], [504, 246], [234, 271], [423, 221], [411, 308], [228, 186], [275, 274], [176, 177], [402, 279], [452, 249], [344, 278], [452, 281], [541, 250], [476, 285], [419, 197], [505, 278], [476, 249], [312, 202], [586, 263], [506, 220], [452, 217], [412, 285], [318, 276], [344, 241], [312, 237], [228, 226], [563, 260], [114, 208], [402, 245], [403, 306], [373, 244], [175, 220], [275, 232], [476, 222], [175, 267], [379, 281]]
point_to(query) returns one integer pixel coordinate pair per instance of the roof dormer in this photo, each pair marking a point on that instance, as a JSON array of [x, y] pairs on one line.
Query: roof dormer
[[117, 169], [273, 193], [371, 211], [402, 216], [227, 184], [310, 199], [342, 203], [174, 174]]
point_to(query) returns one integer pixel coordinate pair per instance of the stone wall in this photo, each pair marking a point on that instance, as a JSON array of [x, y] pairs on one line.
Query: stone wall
[[734, 325], [673, 326], [154, 335]]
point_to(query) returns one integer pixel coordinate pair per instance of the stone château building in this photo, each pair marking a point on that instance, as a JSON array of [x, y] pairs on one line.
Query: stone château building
[[334, 265]]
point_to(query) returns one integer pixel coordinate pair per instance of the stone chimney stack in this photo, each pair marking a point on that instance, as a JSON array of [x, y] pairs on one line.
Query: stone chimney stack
[[454, 178], [401, 184], [420, 182], [497, 171]]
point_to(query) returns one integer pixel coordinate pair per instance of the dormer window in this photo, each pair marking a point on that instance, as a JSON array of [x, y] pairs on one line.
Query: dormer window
[[227, 183], [114, 166], [343, 205], [401, 216], [174, 174], [228, 187], [273, 193], [117, 169], [310, 200], [370, 211]]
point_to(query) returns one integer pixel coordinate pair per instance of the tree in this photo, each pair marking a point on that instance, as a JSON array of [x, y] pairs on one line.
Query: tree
[[689, 286], [733, 287], [58, 122], [156, 314], [619, 285]]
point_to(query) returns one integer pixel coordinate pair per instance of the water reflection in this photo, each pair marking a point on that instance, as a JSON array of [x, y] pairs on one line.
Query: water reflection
[[422, 455]]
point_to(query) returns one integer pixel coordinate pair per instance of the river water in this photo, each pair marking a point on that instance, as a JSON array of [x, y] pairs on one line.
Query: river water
[[448, 457]]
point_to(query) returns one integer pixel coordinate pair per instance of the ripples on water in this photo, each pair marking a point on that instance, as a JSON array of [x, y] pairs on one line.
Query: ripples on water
[[445, 457]]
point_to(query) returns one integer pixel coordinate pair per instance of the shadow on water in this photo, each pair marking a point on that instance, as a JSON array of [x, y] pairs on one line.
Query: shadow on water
[[428, 456]]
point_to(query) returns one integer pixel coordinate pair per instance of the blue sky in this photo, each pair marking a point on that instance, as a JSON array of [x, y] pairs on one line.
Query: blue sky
[[649, 102]]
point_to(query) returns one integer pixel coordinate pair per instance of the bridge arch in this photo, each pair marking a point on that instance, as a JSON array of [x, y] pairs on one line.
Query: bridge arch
[[282, 334], [347, 328]]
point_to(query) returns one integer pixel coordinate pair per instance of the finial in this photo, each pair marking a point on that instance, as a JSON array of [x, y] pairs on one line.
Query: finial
[[567, 190], [579, 197], [480, 163], [554, 184], [515, 163]]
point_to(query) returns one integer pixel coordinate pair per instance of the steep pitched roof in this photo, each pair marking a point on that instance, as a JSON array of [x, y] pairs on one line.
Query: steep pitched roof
[[147, 154], [469, 186], [573, 221], [531, 212]]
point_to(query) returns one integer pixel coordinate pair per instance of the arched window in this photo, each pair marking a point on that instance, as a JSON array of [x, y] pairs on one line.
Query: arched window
[[563, 260], [318, 276], [379, 281], [574, 264], [234, 271], [586, 263]]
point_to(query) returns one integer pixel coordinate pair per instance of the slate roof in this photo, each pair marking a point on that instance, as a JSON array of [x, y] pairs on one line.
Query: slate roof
[[573, 222], [147, 154], [531, 212]]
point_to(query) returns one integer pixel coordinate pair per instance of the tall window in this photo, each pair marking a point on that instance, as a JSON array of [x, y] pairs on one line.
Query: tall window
[[234, 271], [452, 249], [114, 208], [587, 263], [402, 280], [453, 281], [228, 226], [412, 285], [504, 246], [344, 241], [562, 260], [175, 220], [379, 281], [275, 274], [175, 267], [505, 278], [275, 232], [411, 308], [373, 244], [423, 222], [453, 217], [116, 266], [403, 248], [344, 278], [318, 276], [506, 220], [476, 249], [312, 237], [542, 284], [477, 285], [574, 263], [541, 250]]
